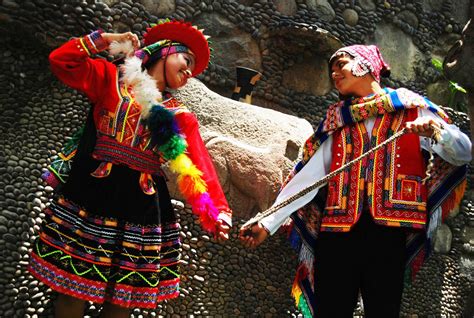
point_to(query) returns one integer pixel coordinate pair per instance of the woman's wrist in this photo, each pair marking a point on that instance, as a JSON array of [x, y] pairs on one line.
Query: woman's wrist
[[94, 42]]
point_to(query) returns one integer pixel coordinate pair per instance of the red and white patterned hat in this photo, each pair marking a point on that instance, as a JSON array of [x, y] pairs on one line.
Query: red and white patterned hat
[[368, 60]]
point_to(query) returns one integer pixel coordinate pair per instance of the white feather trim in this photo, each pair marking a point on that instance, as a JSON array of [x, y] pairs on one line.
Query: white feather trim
[[143, 85], [125, 47]]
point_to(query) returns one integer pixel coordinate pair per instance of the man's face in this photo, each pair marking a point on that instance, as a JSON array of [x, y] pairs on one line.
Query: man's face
[[341, 74]]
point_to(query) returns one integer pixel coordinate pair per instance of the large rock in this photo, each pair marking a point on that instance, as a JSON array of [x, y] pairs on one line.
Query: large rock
[[439, 92], [232, 46], [432, 5], [322, 8], [367, 5], [384, 37], [253, 148], [460, 11], [161, 8], [315, 80]]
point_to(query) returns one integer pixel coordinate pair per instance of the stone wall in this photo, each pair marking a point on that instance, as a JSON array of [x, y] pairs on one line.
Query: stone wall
[[288, 41]]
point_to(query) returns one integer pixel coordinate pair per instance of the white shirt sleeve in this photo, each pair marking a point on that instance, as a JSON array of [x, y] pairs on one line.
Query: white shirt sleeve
[[454, 146], [316, 168]]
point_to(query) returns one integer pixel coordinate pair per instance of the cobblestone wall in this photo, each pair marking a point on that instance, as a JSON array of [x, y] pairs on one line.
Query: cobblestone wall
[[37, 114]]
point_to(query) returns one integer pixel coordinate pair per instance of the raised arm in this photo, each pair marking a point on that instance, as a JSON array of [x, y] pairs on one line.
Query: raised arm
[[73, 64]]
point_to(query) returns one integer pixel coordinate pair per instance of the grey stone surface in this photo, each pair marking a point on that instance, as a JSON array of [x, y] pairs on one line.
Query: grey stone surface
[[322, 8], [253, 148], [402, 68], [442, 239]]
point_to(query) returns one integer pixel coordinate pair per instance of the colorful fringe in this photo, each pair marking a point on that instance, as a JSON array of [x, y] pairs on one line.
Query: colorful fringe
[[452, 202], [300, 300], [166, 136]]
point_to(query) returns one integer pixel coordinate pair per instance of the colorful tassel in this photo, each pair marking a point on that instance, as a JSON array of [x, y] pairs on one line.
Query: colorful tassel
[[166, 135], [162, 125], [294, 238], [296, 293], [194, 189], [191, 186], [175, 146], [300, 301], [203, 207], [147, 184], [452, 202], [167, 139], [304, 308], [103, 170]]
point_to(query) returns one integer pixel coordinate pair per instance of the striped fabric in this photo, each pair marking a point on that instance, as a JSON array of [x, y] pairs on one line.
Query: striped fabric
[[102, 259], [445, 190]]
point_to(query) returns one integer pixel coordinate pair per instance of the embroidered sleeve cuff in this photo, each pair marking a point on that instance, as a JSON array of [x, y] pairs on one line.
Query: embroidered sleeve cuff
[[269, 225], [93, 43], [453, 146], [226, 216]]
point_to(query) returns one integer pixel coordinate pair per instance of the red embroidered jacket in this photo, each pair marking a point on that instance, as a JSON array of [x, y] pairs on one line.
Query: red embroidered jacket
[[389, 180], [117, 116]]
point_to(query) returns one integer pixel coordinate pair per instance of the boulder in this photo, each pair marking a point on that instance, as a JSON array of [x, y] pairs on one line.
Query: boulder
[[322, 8], [253, 148], [402, 68], [232, 46]]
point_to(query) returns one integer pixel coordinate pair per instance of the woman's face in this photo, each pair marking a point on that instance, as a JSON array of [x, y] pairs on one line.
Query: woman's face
[[344, 81], [179, 68]]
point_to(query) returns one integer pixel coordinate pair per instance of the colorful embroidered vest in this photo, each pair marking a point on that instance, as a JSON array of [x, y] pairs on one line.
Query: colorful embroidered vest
[[388, 182], [123, 139]]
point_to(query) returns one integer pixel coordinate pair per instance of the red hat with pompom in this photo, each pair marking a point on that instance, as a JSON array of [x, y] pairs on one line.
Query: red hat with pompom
[[186, 34]]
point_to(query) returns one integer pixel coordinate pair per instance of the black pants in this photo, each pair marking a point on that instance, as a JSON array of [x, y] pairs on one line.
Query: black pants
[[370, 259]]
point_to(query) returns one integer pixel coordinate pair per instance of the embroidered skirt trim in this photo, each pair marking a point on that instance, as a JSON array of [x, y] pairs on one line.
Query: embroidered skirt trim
[[103, 259]]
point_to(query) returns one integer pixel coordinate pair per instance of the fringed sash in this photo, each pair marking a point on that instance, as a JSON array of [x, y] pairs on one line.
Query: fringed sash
[[445, 189]]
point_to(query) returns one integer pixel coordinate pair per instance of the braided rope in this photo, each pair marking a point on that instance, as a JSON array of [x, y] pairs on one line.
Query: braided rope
[[323, 180]]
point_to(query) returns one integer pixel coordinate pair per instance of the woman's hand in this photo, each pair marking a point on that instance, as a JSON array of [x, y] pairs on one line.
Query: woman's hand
[[253, 236], [222, 231], [423, 126], [122, 37]]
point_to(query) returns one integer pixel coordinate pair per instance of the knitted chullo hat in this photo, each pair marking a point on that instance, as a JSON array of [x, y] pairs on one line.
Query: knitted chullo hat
[[368, 59]]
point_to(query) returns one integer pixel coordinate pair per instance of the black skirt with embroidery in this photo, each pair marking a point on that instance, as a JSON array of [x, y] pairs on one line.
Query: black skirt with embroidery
[[104, 239]]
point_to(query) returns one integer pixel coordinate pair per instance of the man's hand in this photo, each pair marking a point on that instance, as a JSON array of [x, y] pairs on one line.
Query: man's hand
[[222, 231], [253, 236], [422, 126]]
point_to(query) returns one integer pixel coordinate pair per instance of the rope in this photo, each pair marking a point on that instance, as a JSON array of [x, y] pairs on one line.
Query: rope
[[323, 180]]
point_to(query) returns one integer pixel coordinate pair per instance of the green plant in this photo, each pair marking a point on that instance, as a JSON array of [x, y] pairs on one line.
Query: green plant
[[454, 87]]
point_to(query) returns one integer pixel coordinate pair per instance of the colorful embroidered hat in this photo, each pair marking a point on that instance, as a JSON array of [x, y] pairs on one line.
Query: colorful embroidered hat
[[180, 34], [368, 59]]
